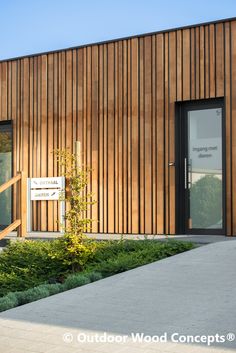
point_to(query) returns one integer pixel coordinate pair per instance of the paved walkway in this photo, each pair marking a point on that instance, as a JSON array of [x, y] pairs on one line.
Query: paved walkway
[[193, 293], [200, 239]]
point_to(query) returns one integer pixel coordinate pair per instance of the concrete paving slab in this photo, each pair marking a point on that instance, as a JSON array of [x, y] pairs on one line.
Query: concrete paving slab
[[199, 239], [190, 294]]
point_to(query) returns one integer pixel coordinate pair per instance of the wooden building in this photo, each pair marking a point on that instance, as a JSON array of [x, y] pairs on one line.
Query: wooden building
[[155, 115]]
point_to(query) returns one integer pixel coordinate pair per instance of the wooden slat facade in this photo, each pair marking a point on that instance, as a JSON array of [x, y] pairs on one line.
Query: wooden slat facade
[[118, 100]]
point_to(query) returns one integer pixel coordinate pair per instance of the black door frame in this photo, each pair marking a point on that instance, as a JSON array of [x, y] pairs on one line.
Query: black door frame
[[180, 152], [8, 126]]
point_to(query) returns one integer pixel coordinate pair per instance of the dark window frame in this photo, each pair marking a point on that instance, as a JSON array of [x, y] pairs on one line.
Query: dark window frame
[[7, 125]]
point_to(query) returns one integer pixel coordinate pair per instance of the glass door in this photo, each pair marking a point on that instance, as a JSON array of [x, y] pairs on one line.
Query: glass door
[[5, 173], [203, 177]]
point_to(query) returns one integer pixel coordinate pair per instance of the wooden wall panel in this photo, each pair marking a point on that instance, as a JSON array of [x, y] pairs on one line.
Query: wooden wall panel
[[56, 130], [125, 137], [44, 136], [118, 100], [14, 110], [101, 142], [120, 139], [4, 91], [105, 145], [186, 65], [134, 138], [219, 35], [35, 137], [212, 55], [129, 132], [116, 138], [153, 137], [172, 100], [50, 138], [148, 134], [207, 63], [193, 63], [202, 63], [197, 62], [95, 136], [141, 139], [111, 140], [166, 134], [160, 132]]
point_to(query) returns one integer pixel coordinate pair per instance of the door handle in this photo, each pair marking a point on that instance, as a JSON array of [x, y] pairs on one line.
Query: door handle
[[191, 174], [185, 174], [171, 164]]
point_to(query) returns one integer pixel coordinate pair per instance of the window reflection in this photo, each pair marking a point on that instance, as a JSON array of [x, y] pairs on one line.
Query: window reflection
[[5, 174], [205, 168]]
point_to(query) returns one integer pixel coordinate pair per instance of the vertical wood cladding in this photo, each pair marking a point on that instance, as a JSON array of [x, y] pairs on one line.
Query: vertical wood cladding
[[118, 100]]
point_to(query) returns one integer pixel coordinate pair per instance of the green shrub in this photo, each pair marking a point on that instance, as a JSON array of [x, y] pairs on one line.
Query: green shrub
[[54, 288], [107, 251], [27, 264], [120, 263], [32, 294], [8, 302], [72, 252], [75, 280], [145, 252], [94, 276], [14, 299], [21, 254], [11, 282]]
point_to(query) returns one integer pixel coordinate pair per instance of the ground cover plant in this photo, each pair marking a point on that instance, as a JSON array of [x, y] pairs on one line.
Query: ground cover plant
[[29, 270]]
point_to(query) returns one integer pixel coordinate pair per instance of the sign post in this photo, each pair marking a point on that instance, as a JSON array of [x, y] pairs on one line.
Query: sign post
[[45, 189]]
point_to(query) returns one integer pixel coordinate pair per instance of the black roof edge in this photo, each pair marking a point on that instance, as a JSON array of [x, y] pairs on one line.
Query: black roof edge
[[230, 19]]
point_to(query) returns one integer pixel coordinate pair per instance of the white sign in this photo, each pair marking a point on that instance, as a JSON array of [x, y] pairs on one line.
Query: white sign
[[44, 189], [51, 183], [45, 194]]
